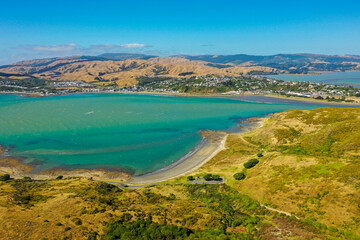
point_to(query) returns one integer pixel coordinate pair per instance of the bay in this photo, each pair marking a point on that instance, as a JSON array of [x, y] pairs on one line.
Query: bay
[[137, 133]]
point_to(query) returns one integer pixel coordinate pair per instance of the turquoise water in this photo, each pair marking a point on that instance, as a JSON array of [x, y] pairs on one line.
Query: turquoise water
[[337, 78], [139, 133]]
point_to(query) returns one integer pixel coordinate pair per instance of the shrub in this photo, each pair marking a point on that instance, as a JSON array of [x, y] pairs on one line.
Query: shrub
[[77, 221], [208, 177], [190, 178], [106, 188], [251, 163], [260, 154], [216, 177], [5, 177], [239, 176], [59, 177], [145, 229], [27, 179], [171, 196]]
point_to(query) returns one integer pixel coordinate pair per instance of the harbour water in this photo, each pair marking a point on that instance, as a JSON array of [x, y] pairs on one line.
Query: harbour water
[[137, 133]]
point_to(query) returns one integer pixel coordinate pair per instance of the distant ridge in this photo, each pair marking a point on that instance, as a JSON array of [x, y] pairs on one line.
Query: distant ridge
[[124, 56], [123, 69], [238, 59]]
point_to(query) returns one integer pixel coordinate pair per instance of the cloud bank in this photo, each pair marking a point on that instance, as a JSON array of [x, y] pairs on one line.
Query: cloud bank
[[72, 48]]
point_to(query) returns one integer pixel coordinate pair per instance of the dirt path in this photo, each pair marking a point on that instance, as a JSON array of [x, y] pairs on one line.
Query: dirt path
[[279, 211]]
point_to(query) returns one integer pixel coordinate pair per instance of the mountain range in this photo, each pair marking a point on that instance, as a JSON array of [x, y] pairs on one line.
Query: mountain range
[[123, 69]]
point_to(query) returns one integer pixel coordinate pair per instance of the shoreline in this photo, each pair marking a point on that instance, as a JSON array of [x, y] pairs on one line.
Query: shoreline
[[17, 169], [214, 95], [196, 158], [212, 143], [311, 100]]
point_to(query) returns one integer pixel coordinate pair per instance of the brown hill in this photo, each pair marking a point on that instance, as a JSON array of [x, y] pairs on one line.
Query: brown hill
[[123, 73]]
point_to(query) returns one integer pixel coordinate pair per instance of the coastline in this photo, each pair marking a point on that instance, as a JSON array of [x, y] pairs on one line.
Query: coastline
[[197, 157], [16, 169], [214, 95], [312, 100], [202, 153], [213, 142]]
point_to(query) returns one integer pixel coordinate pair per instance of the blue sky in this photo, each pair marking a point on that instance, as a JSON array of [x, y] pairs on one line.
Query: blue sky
[[39, 29]]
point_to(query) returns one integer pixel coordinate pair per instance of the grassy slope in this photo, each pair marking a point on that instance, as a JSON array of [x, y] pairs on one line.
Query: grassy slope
[[77, 208], [310, 166]]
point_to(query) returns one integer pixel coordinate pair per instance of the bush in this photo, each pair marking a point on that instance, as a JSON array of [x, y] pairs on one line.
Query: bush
[[208, 177], [77, 221], [59, 177], [239, 176], [251, 163], [145, 229], [27, 179], [216, 177], [5, 177], [190, 178], [260, 154]]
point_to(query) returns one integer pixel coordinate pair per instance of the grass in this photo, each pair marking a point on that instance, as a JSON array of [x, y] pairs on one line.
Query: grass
[[309, 168], [306, 154], [83, 209]]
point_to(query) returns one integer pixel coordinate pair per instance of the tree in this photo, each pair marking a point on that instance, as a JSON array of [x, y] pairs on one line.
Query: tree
[[239, 176], [5, 177], [251, 163]]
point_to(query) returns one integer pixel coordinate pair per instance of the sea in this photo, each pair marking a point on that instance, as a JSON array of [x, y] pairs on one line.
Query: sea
[[132, 132]]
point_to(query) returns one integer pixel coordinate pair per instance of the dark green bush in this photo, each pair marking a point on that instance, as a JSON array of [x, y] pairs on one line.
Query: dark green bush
[[251, 163], [260, 154], [145, 229], [190, 178], [77, 221], [239, 176], [216, 177], [105, 188], [59, 177], [208, 177], [27, 179], [5, 177]]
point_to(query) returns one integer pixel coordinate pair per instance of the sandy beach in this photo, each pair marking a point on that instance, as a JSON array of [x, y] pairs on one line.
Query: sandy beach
[[213, 142], [313, 100], [204, 152]]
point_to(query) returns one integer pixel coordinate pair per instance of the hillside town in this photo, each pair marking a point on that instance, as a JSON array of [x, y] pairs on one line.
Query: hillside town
[[240, 85], [208, 84]]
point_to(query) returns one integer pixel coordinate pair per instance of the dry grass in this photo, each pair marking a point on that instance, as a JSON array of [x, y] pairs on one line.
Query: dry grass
[[302, 171]]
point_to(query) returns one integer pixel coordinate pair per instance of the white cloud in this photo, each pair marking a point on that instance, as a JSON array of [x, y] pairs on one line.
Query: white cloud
[[72, 48], [51, 48], [29, 51], [121, 46]]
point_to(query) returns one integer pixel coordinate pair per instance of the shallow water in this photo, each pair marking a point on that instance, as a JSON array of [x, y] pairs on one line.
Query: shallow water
[[138, 133], [336, 78]]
